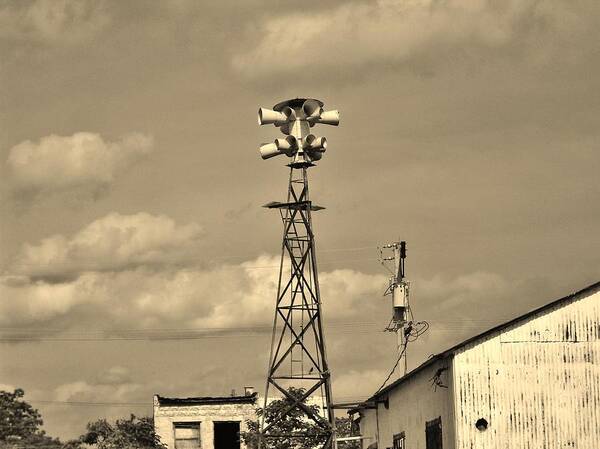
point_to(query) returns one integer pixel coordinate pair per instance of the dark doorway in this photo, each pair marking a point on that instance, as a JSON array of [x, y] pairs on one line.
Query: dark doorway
[[433, 434], [227, 435]]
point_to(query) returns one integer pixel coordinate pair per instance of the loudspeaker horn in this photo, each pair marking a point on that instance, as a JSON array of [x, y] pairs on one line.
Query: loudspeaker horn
[[312, 142], [269, 150], [289, 145], [269, 116], [312, 109], [329, 118]]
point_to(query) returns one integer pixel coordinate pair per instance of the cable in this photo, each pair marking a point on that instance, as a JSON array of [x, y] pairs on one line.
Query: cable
[[220, 258], [414, 331], [394, 368], [94, 404], [360, 327]]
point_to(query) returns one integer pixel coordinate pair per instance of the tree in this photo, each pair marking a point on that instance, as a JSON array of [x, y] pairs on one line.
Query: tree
[[344, 427], [20, 423], [18, 419], [295, 422], [132, 433]]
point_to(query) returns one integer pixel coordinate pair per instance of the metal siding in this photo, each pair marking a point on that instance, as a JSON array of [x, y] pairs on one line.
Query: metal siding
[[537, 383], [411, 405]]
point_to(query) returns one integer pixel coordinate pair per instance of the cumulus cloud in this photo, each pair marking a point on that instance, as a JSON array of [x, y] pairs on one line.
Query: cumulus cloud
[[84, 163], [115, 375], [82, 391], [111, 243], [466, 295], [388, 32], [226, 296], [52, 21]]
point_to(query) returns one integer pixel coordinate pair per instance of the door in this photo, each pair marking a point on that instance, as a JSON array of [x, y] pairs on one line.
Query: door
[[227, 435]]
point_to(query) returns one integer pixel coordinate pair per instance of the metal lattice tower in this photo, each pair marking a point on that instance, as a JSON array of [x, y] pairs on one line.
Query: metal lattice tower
[[298, 358]]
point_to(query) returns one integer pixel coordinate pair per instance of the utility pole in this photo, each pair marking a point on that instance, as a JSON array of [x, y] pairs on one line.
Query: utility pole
[[398, 289], [298, 358]]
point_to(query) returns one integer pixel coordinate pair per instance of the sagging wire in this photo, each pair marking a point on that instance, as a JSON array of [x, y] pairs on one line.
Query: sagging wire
[[413, 330], [403, 322], [393, 368]]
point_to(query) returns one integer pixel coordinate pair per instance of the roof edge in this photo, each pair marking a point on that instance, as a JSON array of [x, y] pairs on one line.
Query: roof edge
[[206, 400], [450, 352]]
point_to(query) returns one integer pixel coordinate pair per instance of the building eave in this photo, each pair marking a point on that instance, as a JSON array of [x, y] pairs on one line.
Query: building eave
[[207, 400], [450, 352]]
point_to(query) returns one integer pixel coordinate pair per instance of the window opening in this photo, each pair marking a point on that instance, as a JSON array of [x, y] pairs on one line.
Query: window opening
[[433, 434], [187, 435], [399, 441]]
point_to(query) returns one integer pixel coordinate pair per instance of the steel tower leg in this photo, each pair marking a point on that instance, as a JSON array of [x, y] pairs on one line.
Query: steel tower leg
[[298, 357]]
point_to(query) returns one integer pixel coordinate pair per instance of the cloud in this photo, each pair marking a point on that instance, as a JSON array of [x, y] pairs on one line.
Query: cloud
[[388, 32], [82, 391], [38, 301], [84, 163], [144, 270], [52, 21], [115, 375], [463, 288], [223, 297], [112, 243]]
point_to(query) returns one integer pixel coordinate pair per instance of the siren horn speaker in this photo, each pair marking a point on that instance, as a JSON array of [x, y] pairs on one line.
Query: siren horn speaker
[[313, 143], [269, 150], [316, 155], [289, 145], [329, 118], [269, 116], [312, 110], [289, 113]]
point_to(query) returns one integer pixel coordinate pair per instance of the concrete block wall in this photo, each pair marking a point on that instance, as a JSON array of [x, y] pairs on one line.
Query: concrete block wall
[[206, 414]]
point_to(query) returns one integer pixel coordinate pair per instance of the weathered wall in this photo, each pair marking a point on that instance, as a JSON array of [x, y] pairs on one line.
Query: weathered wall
[[166, 415], [411, 405], [537, 383]]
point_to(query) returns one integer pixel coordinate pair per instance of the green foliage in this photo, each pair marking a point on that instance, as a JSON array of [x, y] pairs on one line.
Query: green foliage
[[295, 422], [132, 433], [344, 427], [18, 419], [20, 429], [20, 424]]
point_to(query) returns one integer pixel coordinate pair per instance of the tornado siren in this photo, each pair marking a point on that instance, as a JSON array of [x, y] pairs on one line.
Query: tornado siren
[[295, 118]]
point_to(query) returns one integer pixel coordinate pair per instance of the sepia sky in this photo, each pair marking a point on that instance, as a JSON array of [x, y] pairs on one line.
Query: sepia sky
[[135, 257]]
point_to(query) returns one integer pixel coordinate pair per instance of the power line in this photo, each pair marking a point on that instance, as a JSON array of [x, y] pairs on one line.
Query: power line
[[213, 259], [178, 334], [93, 404], [393, 368], [138, 404]]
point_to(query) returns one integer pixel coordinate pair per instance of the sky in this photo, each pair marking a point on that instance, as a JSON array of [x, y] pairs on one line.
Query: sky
[[136, 257]]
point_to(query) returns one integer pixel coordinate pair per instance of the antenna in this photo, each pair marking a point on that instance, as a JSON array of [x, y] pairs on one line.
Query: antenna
[[298, 358]]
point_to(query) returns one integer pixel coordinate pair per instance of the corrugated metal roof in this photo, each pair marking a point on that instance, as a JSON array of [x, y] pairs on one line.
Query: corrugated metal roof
[[249, 399], [450, 352]]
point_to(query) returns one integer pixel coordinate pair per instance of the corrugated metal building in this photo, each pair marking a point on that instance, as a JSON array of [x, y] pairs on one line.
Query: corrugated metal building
[[533, 382]]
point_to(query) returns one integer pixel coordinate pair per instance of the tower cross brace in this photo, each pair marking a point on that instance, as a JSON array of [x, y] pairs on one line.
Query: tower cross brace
[[298, 357]]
